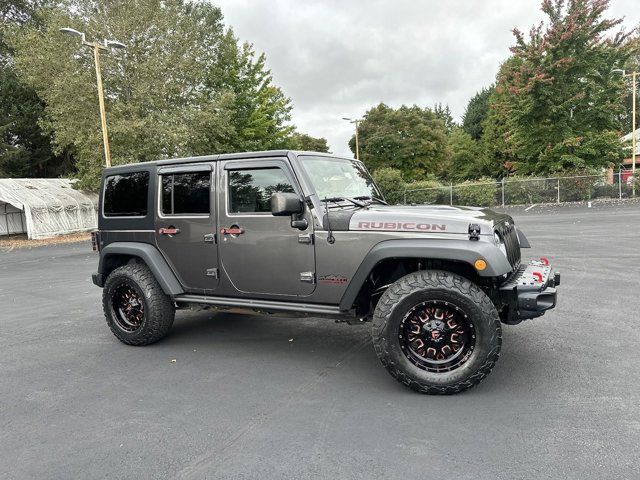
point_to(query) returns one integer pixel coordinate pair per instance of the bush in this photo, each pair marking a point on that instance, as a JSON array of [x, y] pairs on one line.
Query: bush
[[580, 188], [525, 191], [606, 191], [390, 182], [627, 188], [477, 194], [428, 191]]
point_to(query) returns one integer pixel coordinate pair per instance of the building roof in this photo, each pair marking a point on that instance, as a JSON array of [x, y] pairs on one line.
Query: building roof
[[51, 205], [44, 192]]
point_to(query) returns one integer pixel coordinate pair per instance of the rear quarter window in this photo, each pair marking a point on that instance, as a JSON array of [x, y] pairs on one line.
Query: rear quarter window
[[125, 195]]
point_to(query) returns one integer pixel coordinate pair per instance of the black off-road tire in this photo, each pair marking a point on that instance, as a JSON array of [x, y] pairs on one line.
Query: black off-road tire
[[429, 285], [159, 310]]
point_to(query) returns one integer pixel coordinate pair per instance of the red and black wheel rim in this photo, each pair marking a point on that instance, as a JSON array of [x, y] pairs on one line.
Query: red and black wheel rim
[[437, 336], [128, 307]]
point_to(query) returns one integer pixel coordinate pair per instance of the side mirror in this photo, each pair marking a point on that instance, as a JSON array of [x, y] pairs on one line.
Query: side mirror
[[284, 204]]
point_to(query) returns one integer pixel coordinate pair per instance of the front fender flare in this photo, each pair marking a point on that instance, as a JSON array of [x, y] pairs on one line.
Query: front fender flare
[[467, 251], [151, 256]]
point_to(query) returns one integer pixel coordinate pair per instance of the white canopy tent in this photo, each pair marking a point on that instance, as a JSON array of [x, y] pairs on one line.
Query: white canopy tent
[[45, 207]]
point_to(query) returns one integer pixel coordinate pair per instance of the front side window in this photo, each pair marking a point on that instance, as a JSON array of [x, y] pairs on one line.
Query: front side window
[[250, 190], [337, 177], [125, 195], [186, 193]]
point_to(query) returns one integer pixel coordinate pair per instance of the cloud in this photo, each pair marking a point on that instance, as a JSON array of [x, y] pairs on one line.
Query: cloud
[[339, 58]]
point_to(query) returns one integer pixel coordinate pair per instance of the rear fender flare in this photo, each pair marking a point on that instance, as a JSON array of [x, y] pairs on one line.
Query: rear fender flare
[[466, 251], [151, 256]]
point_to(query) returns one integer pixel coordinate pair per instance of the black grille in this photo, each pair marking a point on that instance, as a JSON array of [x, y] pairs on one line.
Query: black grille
[[509, 236]]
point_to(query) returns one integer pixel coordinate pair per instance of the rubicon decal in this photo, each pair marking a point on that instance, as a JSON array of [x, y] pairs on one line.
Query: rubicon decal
[[422, 227], [333, 279]]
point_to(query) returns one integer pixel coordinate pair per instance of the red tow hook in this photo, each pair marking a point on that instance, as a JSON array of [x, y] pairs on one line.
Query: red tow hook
[[538, 276], [545, 260]]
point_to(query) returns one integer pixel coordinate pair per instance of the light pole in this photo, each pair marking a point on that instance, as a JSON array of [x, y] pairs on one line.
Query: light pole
[[106, 46], [633, 124], [356, 123]]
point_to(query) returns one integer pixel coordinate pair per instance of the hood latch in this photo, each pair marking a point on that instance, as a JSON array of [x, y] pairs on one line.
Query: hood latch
[[474, 231]]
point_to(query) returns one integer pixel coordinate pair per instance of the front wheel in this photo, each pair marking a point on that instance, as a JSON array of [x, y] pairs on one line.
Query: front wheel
[[436, 332]]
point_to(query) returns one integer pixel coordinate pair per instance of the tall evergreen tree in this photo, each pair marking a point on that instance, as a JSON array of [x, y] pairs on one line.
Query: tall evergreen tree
[[468, 159], [476, 112], [499, 126], [443, 112]]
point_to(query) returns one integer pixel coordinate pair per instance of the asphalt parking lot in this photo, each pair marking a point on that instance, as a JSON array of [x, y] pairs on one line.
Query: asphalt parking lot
[[257, 398]]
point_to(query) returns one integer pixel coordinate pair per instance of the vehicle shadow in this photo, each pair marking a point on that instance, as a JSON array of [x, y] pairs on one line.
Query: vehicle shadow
[[317, 344]]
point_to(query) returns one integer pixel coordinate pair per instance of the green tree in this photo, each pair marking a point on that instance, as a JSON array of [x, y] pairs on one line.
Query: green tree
[[25, 149], [16, 12], [391, 184], [476, 112], [183, 86], [302, 141], [410, 139], [468, 160], [564, 103], [443, 112], [497, 139], [260, 110]]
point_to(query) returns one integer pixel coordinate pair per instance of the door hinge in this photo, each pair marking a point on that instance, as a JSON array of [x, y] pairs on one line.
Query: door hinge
[[306, 238], [210, 238], [212, 272], [308, 277]]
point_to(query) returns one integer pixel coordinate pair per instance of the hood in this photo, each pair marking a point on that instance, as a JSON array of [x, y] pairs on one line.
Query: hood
[[424, 218]]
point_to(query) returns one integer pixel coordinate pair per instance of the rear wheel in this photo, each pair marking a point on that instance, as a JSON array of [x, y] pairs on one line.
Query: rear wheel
[[138, 312], [436, 332]]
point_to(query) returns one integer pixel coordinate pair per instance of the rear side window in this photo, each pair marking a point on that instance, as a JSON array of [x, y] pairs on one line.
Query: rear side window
[[186, 193], [126, 195], [250, 190]]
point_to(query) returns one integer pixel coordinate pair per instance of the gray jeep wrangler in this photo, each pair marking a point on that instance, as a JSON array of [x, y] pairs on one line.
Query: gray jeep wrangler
[[309, 234]]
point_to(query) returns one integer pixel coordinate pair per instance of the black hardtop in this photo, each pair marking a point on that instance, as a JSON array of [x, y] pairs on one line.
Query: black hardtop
[[214, 158]]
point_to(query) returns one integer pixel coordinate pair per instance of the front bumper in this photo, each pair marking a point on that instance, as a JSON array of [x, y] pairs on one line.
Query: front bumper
[[530, 291]]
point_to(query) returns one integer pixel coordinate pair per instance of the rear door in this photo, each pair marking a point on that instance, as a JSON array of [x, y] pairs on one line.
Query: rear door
[[261, 253], [186, 224]]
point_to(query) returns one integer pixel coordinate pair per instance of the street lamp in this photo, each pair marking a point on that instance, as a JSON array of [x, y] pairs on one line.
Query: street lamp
[[633, 123], [106, 46], [356, 123]]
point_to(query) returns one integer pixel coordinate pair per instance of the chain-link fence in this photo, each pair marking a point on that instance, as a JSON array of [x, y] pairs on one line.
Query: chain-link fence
[[528, 191]]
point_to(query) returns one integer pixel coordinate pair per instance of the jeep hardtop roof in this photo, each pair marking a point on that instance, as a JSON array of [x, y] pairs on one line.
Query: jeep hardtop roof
[[223, 156]]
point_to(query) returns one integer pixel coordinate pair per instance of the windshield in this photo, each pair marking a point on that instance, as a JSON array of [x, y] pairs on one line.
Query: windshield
[[337, 177]]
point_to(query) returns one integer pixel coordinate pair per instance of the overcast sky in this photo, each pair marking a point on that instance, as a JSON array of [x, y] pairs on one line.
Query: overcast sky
[[338, 58]]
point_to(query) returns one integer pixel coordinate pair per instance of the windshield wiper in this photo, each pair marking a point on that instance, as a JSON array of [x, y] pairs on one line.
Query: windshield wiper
[[372, 198], [346, 199]]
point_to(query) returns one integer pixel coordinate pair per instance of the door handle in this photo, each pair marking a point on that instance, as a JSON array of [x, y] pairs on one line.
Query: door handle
[[169, 231], [232, 231]]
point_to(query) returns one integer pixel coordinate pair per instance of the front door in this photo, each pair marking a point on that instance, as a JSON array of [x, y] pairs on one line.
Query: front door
[[261, 253], [186, 226]]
